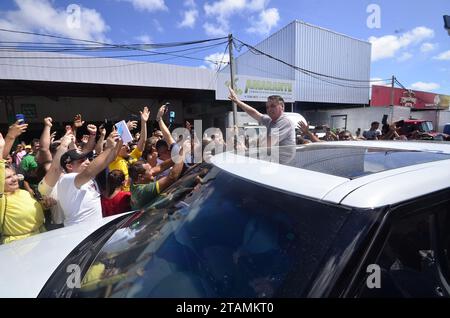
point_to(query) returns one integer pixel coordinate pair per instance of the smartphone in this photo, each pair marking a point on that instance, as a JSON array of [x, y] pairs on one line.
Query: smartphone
[[20, 118], [172, 117]]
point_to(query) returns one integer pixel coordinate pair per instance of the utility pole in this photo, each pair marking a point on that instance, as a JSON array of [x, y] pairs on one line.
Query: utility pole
[[230, 46], [392, 98], [392, 90]]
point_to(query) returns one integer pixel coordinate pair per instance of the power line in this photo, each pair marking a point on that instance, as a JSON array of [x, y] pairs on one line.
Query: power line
[[131, 47], [110, 66], [401, 85], [152, 53]]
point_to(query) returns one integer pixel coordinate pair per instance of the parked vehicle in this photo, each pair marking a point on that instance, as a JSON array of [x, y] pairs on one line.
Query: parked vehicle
[[424, 127], [447, 129], [344, 219]]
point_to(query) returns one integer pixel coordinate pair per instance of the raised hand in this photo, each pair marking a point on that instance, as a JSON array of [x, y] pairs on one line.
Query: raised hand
[[161, 112], [304, 129], [69, 129], [145, 114], [52, 137], [92, 129], [233, 96], [77, 121], [16, 129], [48, 121], [102, 130], [112, 139], [132, 124], [85, 139], [67, 139]]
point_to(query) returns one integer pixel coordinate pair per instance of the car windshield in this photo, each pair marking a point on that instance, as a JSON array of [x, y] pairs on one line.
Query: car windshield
[[212, 234], [426, 126]]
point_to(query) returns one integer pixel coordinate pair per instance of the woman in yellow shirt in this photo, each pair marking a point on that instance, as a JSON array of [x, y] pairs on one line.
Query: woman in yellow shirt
[[21, 215]]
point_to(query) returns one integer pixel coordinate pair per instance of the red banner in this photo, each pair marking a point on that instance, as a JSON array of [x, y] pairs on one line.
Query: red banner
[[381, 96]]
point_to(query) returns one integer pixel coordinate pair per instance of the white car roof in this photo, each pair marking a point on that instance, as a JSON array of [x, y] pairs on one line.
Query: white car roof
[[27, 264], [372, 190]]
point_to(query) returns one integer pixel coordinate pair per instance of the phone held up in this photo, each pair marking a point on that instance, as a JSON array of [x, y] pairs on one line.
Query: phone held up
[[20, 118]]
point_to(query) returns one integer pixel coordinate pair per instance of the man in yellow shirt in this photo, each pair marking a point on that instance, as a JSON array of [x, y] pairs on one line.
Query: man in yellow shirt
[[121, 161]]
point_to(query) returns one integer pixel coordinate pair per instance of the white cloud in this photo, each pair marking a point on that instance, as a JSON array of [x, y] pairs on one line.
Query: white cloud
[[148, 5], [404, 57], [444, 56], [216, 30], [427, 47], [40, 16], [144, 38], [222, 10], [190, 17], [387, 46], [190, 3], [268, 19], [158, 26], [220, 58], [425, 86]]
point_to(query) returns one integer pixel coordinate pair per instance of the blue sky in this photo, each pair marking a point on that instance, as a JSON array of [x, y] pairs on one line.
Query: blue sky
[[409, 41]]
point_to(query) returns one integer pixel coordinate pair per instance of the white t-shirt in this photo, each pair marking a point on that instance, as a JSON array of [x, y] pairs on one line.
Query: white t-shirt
[[79, 205], [57, 211]]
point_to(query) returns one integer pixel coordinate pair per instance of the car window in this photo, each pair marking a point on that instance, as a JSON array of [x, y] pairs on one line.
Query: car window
[[443, 223], [217, 236], [411, 261]]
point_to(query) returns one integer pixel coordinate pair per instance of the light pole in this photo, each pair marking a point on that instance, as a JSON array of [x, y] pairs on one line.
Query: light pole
[[447, 23]]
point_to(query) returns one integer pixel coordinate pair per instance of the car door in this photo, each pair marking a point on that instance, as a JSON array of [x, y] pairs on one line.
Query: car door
[[410, 256]]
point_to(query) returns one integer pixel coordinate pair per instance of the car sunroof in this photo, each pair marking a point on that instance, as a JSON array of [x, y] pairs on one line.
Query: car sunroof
[[354, 162]]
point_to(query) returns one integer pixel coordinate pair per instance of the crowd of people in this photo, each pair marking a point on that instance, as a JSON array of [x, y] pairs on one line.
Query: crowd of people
[[58, 183]]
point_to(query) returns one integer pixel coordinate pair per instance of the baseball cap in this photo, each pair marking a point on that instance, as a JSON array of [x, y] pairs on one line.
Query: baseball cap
[[73, 155]]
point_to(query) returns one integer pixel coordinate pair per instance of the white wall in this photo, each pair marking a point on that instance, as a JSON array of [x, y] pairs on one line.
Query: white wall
[[444, 118]]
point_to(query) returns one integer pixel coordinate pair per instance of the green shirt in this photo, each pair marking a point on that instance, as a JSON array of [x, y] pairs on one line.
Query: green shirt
[[143, 194], [28, 163]]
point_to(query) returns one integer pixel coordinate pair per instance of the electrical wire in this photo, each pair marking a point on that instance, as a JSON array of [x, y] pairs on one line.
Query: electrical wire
[[133, 46], [195, 51], [130, 47], [153, 53]]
